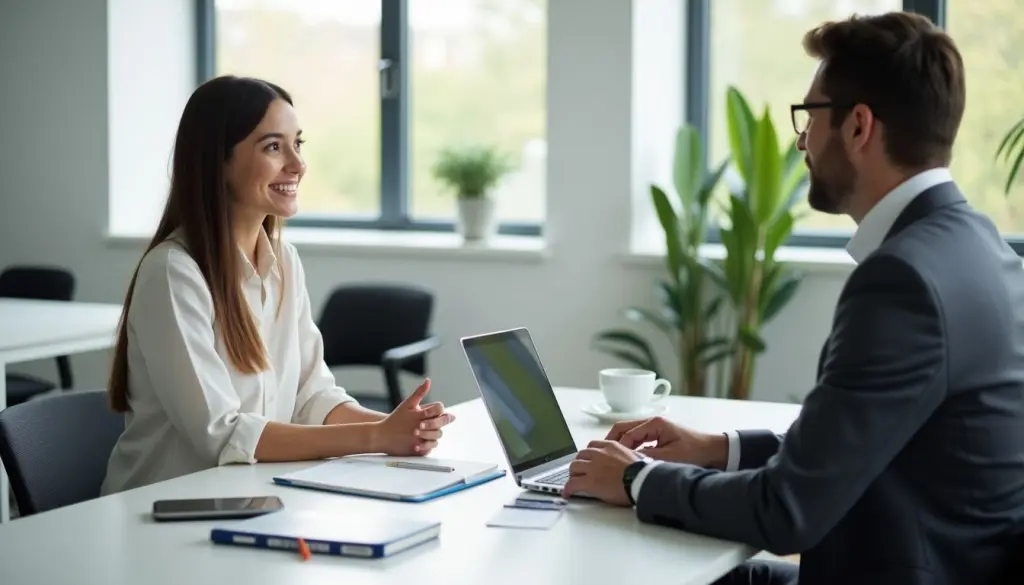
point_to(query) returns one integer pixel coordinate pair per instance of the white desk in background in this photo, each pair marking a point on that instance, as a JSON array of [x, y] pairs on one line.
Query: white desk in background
[[34, 330], [113, 541]]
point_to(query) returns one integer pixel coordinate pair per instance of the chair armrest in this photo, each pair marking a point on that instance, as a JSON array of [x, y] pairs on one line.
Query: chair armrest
[[401, 354], [392, 360]]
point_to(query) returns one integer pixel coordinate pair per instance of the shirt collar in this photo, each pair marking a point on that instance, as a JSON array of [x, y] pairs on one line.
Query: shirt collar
[[879, 220], [265, 258]]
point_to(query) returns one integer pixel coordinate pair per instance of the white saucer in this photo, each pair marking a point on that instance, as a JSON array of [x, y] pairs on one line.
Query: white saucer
[[602, 412]]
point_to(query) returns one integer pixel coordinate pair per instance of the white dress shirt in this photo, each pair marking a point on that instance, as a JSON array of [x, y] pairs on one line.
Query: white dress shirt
[[190, 408], [866, 239]]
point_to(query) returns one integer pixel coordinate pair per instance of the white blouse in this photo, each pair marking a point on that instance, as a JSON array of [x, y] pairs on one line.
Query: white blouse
[[190, 409]]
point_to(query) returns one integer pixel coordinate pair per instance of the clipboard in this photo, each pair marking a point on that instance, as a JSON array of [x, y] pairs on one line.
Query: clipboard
[[378, 477]]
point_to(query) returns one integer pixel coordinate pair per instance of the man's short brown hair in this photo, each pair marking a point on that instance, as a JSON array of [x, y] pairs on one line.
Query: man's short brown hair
[[903, 67]]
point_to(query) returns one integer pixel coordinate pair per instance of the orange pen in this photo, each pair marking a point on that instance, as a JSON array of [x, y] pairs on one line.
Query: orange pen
[[304, 550]]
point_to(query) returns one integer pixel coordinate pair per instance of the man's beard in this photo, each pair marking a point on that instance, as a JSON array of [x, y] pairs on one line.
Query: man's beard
[[831, 179]]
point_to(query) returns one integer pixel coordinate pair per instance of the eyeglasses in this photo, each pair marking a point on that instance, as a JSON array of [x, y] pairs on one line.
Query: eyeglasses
[[802, 117]]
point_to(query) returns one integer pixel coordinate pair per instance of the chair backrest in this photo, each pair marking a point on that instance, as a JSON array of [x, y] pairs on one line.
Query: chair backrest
[[37, 282], [360, 322], [46, 283], [55, 448]]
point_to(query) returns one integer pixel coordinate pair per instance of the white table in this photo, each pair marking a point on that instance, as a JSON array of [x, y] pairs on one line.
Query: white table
[[112, 540], [33, 330]]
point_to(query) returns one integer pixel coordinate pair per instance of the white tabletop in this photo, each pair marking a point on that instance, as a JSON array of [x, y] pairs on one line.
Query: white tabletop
[[31, 330], [112, 541]]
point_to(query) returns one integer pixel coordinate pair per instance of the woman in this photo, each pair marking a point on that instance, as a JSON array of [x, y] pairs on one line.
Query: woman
[[218, 359]]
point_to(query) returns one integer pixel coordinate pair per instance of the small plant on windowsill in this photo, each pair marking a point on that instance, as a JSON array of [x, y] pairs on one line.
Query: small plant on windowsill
[[1011, 150], [472, 173]]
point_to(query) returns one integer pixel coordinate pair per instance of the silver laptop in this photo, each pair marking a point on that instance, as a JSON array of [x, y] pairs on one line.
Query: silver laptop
[[522, 405]]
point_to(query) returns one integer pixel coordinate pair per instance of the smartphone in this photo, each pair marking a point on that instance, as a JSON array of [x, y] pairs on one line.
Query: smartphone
[[215, 508]]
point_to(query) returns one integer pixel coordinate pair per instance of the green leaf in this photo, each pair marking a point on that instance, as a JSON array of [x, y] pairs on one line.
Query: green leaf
[[710, 344], [707, 188], [744, 226], [1008, 147], [751, 339], [669, 296], [780, 295], [669, 220], [733, 267], [717, 356], [795, 178], [1011, 137], [741, 249], [1013, 171], [713, 307], [771, 274], [765, 187], [714, 272], [741, 131], [688, 167], [777, 234], [641, 349]]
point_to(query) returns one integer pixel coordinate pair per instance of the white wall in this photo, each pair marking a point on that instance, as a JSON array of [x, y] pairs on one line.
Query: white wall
[[140, 86], [55, 108]]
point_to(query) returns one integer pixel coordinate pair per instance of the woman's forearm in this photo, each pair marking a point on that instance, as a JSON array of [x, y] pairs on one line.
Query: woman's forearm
[[351, 412], [290, 442]]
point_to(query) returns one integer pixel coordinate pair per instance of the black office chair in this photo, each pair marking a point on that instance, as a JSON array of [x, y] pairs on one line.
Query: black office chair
[[379, 325], [56, 448], [42, 283]]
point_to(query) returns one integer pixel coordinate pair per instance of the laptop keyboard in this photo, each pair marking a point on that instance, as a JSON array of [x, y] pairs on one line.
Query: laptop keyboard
[[559, 477]]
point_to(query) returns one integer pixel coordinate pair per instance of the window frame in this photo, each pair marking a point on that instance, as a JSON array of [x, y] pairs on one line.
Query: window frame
[[696, 75], [394, 130]]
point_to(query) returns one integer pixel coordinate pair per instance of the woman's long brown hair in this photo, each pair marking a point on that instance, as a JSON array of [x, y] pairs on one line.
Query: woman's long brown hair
[[218, 115]]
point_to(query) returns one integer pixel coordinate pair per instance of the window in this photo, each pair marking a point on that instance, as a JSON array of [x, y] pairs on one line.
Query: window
[[755, 45], [740, 32], [989, 38], [381, 86]]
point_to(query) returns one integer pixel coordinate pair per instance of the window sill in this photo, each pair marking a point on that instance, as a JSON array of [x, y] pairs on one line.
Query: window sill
[[401, 244], [810, 259]]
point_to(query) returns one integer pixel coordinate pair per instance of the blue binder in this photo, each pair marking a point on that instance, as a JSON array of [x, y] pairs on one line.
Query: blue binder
[[351, 535], [370, 477]]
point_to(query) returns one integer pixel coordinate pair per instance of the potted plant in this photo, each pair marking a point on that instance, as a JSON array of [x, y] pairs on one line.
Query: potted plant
[[713, 311], [472, 172], [688, 305], [761, 218]]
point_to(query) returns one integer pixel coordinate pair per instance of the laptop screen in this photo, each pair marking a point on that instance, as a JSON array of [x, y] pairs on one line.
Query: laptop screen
[[516, 391]]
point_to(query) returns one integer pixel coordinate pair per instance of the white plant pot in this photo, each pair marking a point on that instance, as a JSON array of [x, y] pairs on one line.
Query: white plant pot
[[476, 218]]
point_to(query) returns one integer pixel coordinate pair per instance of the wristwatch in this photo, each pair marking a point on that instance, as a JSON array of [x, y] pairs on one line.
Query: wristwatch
[[632, 470]]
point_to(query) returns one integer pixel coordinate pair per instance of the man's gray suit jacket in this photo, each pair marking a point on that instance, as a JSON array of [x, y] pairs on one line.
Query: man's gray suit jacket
[[906, 463]]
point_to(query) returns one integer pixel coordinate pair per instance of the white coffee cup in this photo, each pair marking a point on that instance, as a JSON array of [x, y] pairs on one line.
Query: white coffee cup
[[632, 390]]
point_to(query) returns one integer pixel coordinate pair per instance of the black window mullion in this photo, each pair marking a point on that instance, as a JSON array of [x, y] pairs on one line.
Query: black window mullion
[[698, 67], [394, 113], [206, 45], [933, 9]]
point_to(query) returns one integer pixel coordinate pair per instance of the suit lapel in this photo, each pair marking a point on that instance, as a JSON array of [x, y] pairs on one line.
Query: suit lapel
[[930, 200]]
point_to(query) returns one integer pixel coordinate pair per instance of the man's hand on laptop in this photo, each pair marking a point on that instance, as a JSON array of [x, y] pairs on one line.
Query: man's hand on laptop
[[597, 471], [670, 442]]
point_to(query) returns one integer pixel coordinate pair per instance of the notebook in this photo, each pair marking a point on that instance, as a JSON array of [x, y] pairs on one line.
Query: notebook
[[371, 476], [352, 534]]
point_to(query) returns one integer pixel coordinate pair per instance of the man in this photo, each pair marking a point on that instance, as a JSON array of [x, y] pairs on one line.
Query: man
[[906, 464]]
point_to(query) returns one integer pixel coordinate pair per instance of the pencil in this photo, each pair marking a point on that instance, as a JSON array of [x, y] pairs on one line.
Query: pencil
[[304, 549]]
